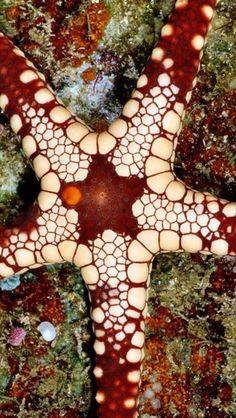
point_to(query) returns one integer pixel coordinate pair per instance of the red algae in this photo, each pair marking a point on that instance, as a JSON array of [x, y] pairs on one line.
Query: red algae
[[166, 323], [70, 413], [74, 33], [37, 296], [89, 74], [175, 388], [223, 280], [208, 119]]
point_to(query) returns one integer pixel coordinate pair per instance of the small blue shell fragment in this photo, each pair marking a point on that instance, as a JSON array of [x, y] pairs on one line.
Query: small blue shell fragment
[[47, 330], [10, 283]]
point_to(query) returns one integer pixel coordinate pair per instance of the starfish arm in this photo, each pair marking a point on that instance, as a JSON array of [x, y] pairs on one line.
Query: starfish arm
[[49, 132], [206, 224], [151, 119], [119, 340], [49, 235], [18, 246], [118, 292], [182, 219]]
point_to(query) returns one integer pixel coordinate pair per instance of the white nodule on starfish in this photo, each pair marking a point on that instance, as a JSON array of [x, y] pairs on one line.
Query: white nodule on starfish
[[137, 252], [18, 52], [169, 241], [90, 274], [43, 96], [51, 254], [138, 272], [67, 249], [158, 54], [99, 347], [76, 131], [219, 247], [5, 270], [168, 63], [98, 315], [100, 395], [29, 145], [3, 101], [171, 122], [181, 4], [24, 257], [89, 143], [191, 243], [41, 165], [230, 210], [83, 256], [118, 128], [159, 182], [16, 123], [106, 142], [175, 191], [46, 200], [27, 76], [134, 376], [138, 339], [207, 11], [98, 372], [134, 355], [150, 239], [162, 147], [167, 30], [131, 108], [156, 165], [59, 114], [129, 403], [50, 182], [142, 81], [137, 297], [198, 42]]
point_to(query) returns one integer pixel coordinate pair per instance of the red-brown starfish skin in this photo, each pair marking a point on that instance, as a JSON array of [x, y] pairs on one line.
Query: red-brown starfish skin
[[109, 202]]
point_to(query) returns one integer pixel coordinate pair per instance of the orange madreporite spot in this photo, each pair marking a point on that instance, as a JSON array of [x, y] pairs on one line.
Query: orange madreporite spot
[[71, 195]]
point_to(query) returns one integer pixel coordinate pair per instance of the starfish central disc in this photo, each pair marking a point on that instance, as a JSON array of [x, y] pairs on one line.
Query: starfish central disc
[[104, 200]]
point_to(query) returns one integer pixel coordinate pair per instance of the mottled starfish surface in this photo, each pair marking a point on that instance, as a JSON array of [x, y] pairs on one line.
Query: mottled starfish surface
[[110, 201]]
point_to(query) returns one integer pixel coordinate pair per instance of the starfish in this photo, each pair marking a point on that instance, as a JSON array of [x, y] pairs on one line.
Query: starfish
[[110, 201]]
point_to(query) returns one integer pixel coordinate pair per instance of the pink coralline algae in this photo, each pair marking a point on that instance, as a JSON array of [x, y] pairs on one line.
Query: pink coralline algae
[[17, 336]]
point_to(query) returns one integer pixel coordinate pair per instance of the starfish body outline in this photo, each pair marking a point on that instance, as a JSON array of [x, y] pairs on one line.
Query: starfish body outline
[[109, 202]]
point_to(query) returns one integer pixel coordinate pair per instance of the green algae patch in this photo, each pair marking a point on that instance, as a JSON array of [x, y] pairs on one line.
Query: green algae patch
[[12, 168]]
